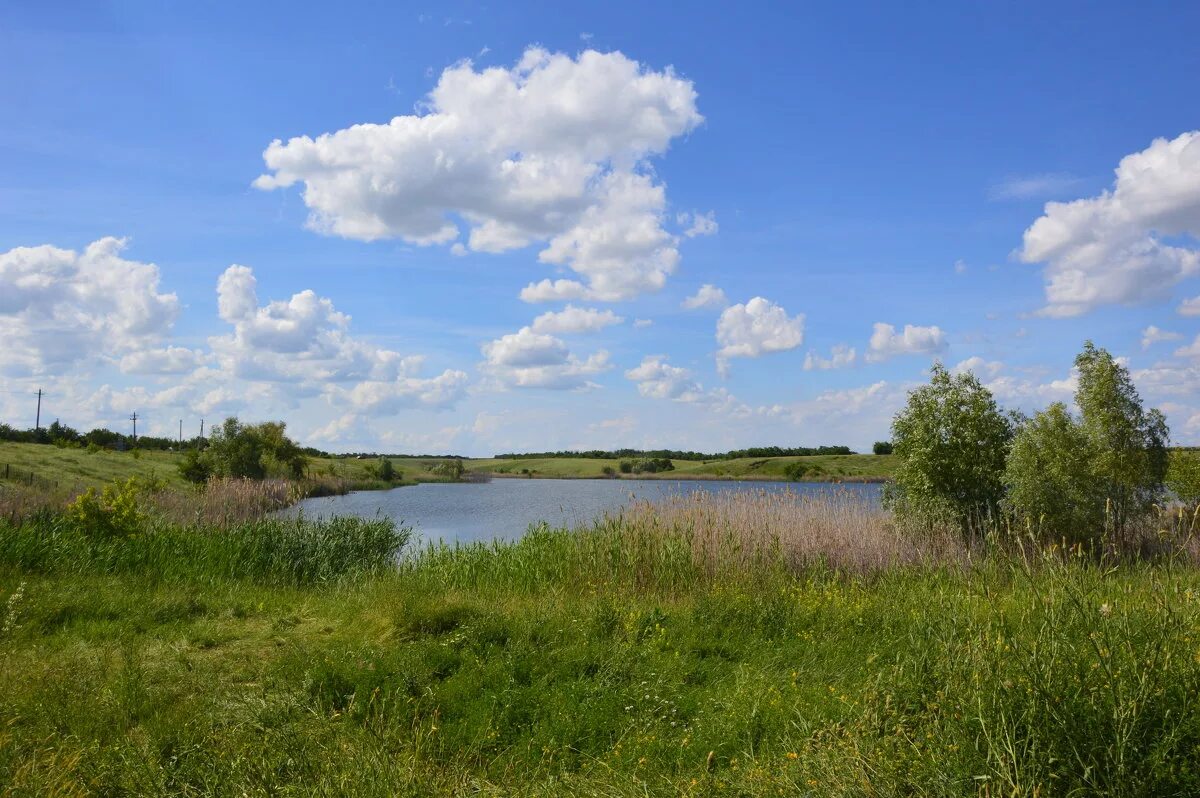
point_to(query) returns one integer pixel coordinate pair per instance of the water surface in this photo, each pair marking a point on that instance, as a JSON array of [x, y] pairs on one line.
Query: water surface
[[505, 508]]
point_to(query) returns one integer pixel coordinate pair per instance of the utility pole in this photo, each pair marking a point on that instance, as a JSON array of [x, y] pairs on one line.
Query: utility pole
[[200, 440], [133, 418], [37, 425], [181, 433]]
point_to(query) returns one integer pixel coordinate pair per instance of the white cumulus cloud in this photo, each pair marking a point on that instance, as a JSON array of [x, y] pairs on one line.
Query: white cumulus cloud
[[527, 359], [553, 150], [756, 328], [887, 342], [575, 320], [59, 307], [707, 296], [698, 224], [1113, 248]]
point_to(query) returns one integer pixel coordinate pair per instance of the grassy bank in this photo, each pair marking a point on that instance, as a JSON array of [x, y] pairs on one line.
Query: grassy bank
[[819, 467], [740, 646]]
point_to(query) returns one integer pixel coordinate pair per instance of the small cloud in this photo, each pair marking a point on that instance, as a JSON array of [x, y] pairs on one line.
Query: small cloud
[[642, 323], [1189, 307], [458, 250], [698, 224], [709, 296], [1027, 187], [587, 37], [887, 342], [960, 266], [841, 356], [756, 328], [1153, 335], [978, 366]]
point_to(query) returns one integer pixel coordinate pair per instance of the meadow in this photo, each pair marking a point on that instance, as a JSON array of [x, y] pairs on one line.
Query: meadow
[[742, 645], [73, 469]]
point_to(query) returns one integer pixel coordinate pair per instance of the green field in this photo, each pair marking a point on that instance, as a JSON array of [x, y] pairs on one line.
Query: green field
[[822, 467], [273, 660], [71, 468]]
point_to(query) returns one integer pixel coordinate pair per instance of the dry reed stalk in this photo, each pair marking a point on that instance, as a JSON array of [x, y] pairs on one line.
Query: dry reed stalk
[[743, 528], [222, 502]]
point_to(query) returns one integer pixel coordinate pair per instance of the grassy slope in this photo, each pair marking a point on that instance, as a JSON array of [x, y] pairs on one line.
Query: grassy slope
[[823, 467], [495, 675], [75, 467], [72, 468]]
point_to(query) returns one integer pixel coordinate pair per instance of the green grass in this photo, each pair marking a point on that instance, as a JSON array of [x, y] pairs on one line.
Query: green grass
[[582, 665], [76, 468], [822, 467]]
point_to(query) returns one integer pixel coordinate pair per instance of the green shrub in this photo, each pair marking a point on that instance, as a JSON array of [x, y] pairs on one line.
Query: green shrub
[[882, 447], [795, 471], [1050, 486], [114, 512], [1183, 477], [951, 439], [626, 466]]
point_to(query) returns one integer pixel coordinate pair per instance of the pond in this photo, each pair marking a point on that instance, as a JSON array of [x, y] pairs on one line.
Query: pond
[[505, 508]]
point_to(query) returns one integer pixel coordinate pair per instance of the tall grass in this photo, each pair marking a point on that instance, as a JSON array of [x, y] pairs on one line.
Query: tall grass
[[291, 551]]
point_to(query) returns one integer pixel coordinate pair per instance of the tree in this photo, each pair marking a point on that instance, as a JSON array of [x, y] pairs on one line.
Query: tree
[[882, 447], [1049, 478], [387, 472], [193, 467], [1183, 477], [951, 440], [235, 450], [1128, 444]]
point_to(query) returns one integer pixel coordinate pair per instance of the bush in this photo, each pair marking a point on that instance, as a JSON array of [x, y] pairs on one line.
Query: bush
[[882, 447], [193, 467], [386, 472], [951, 439], [449, 468], [795, 471], [115, 512], [1183, 477], [626, 466], [1049, 480], [608, 471]]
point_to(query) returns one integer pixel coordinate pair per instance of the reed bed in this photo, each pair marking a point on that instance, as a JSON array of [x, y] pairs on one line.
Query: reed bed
[[835, 530]]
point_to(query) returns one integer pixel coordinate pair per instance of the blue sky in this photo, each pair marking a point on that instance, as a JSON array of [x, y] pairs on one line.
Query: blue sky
[[824, 170]]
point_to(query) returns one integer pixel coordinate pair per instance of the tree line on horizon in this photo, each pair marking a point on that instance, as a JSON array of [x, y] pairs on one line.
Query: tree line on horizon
[[676, 454]]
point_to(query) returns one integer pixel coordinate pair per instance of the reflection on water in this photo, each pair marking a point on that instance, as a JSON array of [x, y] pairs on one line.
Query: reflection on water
[[505, 508]]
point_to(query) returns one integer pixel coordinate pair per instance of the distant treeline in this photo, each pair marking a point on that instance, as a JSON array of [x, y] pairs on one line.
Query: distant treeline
[[63, 435], [673, 454]]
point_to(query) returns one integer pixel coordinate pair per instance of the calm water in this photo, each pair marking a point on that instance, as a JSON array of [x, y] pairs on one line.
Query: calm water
[[505, 508]]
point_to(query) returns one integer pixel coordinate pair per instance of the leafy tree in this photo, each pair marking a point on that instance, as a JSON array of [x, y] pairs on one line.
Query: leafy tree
[[882, 447], [281, 454], [235, 450], [193, 467], [1051, 488], [1128, 444], [951, 439], [1183, 477], [387, 472]]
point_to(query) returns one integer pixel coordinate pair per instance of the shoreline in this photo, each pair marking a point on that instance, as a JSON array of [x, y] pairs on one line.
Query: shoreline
[[669, 475]]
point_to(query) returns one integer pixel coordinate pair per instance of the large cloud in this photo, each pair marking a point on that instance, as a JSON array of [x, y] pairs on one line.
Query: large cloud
[[306, 341], [552, 150], [1116, 247], [755, 328], [886, 342], [59, 306]]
